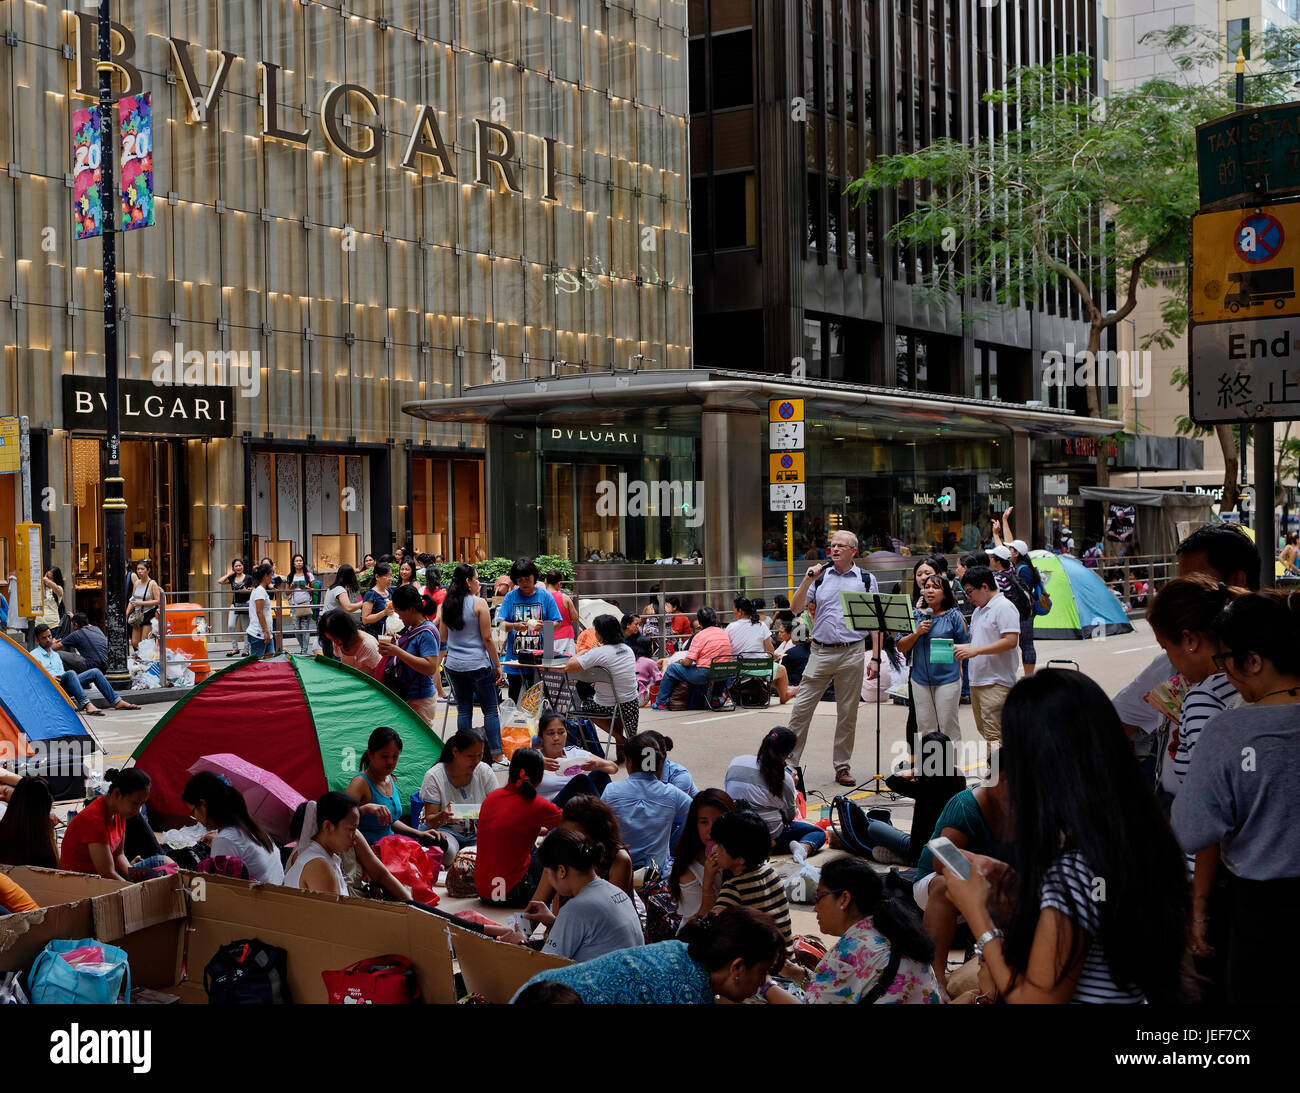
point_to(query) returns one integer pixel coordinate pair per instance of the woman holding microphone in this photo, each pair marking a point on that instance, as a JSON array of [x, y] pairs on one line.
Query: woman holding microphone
[[936, 675]]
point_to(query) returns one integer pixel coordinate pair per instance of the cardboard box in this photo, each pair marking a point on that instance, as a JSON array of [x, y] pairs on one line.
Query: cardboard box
[[496, 970], [143, 919], [172, 926], [320, 933]]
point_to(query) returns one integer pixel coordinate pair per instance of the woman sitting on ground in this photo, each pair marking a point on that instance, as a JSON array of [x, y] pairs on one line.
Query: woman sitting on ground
[[750, 636], [350, 644], [618, 662], [765, 783], [694, 869], [221, 808], [27, 826], [375, 790], [595, 917], [728, 954], [507, 870], [1087, 826], [570, 770], [591, 818], [93, 841], [460, 777], [884, 953], [673, 773], [328, 828]]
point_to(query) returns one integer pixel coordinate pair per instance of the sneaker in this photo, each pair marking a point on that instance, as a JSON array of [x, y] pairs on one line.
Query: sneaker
[[886, 857]]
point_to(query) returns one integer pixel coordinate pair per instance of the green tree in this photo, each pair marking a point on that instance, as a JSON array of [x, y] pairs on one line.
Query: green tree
[[1078, 189]]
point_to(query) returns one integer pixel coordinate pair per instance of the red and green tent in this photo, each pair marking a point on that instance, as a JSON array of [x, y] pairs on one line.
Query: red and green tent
[[305, 719]]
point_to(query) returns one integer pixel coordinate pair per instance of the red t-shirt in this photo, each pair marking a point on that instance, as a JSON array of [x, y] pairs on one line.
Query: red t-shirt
[[681, 624], [508, 827], [90, 825]]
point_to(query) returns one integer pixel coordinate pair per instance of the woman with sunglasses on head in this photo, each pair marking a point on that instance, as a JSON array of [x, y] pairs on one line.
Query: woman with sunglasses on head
[[1238, 799]]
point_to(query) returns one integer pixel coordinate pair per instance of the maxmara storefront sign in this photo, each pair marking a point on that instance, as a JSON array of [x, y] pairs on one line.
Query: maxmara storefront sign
[[495, 146]]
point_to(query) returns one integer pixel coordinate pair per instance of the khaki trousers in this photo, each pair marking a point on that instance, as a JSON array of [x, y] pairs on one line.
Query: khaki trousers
[[843, 667], [987, 703]]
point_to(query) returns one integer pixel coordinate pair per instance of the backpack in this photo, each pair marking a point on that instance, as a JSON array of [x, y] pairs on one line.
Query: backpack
[[1011, 587], [749, 693], [247, 973], [850, 824], [1041, 600]]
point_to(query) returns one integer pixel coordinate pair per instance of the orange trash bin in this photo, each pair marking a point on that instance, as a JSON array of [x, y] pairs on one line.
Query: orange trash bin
[[185, 635]]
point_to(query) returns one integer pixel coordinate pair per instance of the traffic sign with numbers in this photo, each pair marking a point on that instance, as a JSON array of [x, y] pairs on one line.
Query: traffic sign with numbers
[[787, 497]]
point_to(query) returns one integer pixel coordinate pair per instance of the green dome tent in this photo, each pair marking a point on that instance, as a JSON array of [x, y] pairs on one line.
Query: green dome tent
[[1081, 602]]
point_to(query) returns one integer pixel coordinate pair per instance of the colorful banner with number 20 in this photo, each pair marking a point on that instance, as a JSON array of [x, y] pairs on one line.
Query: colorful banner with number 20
[[87, 213], [133, 114]]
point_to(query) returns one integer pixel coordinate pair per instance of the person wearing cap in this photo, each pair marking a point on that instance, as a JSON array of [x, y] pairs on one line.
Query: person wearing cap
[[1067, 541]]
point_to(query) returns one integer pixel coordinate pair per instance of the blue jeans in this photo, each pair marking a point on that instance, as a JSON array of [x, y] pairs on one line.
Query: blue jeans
[[797, 831], [72, 683], [260, 647], [480, 684], [890, 837], [965, 679], [677, 673]]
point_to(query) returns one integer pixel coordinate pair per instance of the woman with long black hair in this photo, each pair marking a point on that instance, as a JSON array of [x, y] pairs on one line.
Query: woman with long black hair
[[1238, 801], [884, 953], [221, 808], [1100, 892], [469, 654]]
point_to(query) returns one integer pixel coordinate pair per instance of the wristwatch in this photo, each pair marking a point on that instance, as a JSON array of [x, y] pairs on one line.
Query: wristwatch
[[985, 938]]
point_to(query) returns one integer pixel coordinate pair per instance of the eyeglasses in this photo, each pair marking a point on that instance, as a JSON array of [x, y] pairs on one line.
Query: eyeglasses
[[829, 892], [1220, 660]]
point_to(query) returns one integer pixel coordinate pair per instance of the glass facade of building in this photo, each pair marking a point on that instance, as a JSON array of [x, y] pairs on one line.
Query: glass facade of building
[[346, 282]]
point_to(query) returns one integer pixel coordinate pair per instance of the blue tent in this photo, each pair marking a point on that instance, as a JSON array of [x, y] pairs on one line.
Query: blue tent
[[1081, 602], [32, 706]]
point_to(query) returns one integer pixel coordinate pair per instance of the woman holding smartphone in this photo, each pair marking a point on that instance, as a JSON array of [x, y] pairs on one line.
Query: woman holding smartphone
[[1099, 907]]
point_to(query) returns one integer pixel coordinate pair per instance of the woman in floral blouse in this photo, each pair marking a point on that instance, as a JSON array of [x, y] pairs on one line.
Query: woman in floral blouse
[[877, 933]]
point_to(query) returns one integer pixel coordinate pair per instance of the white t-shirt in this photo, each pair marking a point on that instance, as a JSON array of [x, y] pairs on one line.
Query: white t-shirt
[[997, 617], [365, 657], [570, 767], [692, 885], [437, 790], [1129, 702], [620, 661], [747, 637], [254, 623], [263, 865]]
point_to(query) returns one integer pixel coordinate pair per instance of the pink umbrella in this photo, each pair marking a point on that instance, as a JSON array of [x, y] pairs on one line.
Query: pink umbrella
[[270, 799]]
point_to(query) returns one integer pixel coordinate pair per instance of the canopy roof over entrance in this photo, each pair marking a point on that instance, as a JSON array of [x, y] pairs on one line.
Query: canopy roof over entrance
[[661, 397]]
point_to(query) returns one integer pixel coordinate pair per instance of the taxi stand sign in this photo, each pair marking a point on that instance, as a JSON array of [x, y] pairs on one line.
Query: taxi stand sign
[[786, 491], [1243, 350]]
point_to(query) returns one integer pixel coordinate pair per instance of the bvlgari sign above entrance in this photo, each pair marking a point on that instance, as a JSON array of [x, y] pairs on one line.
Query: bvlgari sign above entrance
[[495, 146], [149, 409]]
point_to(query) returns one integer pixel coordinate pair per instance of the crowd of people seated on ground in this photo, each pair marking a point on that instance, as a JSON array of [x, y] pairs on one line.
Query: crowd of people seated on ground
[[1090, 867]]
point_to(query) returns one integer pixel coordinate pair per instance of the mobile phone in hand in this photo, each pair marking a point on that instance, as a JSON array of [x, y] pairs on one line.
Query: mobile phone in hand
[[953, 859]]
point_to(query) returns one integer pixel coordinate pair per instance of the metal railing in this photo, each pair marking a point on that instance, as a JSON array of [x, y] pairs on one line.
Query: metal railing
[[215, 609]]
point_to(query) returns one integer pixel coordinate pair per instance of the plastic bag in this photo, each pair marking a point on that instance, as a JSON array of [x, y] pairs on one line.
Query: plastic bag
[[515, 736], [414, 865], [801, 885]]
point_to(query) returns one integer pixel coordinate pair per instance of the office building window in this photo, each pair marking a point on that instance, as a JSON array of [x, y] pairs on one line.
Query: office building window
[[735, 215], [733, 69], [1238, 38], [699, 84], [812, 347], [700, 214]]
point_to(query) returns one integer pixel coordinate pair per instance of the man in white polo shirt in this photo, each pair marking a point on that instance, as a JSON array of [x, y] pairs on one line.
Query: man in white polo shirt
[[995, 633], [837, 651]]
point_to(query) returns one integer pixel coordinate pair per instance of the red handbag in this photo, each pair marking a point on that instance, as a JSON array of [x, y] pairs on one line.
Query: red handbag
[[376, 981]]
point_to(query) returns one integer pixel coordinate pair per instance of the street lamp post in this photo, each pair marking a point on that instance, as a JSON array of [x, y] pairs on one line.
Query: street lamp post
[[114, 504]]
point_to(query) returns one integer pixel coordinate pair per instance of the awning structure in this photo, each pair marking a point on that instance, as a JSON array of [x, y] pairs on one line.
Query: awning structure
[[660, 397]]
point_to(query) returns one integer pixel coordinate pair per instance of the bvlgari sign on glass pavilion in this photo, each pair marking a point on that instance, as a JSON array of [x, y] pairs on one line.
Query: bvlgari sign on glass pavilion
[[495, 145]]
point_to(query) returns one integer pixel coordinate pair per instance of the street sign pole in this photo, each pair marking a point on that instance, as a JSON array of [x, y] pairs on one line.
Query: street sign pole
[[114, 504], [786, 487]]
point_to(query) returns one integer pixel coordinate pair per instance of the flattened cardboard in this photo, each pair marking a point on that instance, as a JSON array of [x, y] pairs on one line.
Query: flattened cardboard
[[494, 969], [320, 933], [65, 912]]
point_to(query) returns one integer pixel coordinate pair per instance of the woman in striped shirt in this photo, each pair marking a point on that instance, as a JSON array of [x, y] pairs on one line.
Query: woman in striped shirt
[[1099, 907]]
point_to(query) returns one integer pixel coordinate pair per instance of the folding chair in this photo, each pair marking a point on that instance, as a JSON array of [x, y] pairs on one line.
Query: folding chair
[[761, 667], [722, 670], [602, 675]]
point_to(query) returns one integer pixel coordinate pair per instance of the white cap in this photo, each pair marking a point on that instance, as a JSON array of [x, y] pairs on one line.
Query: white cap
[[1019, 546], [1001, 552]]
